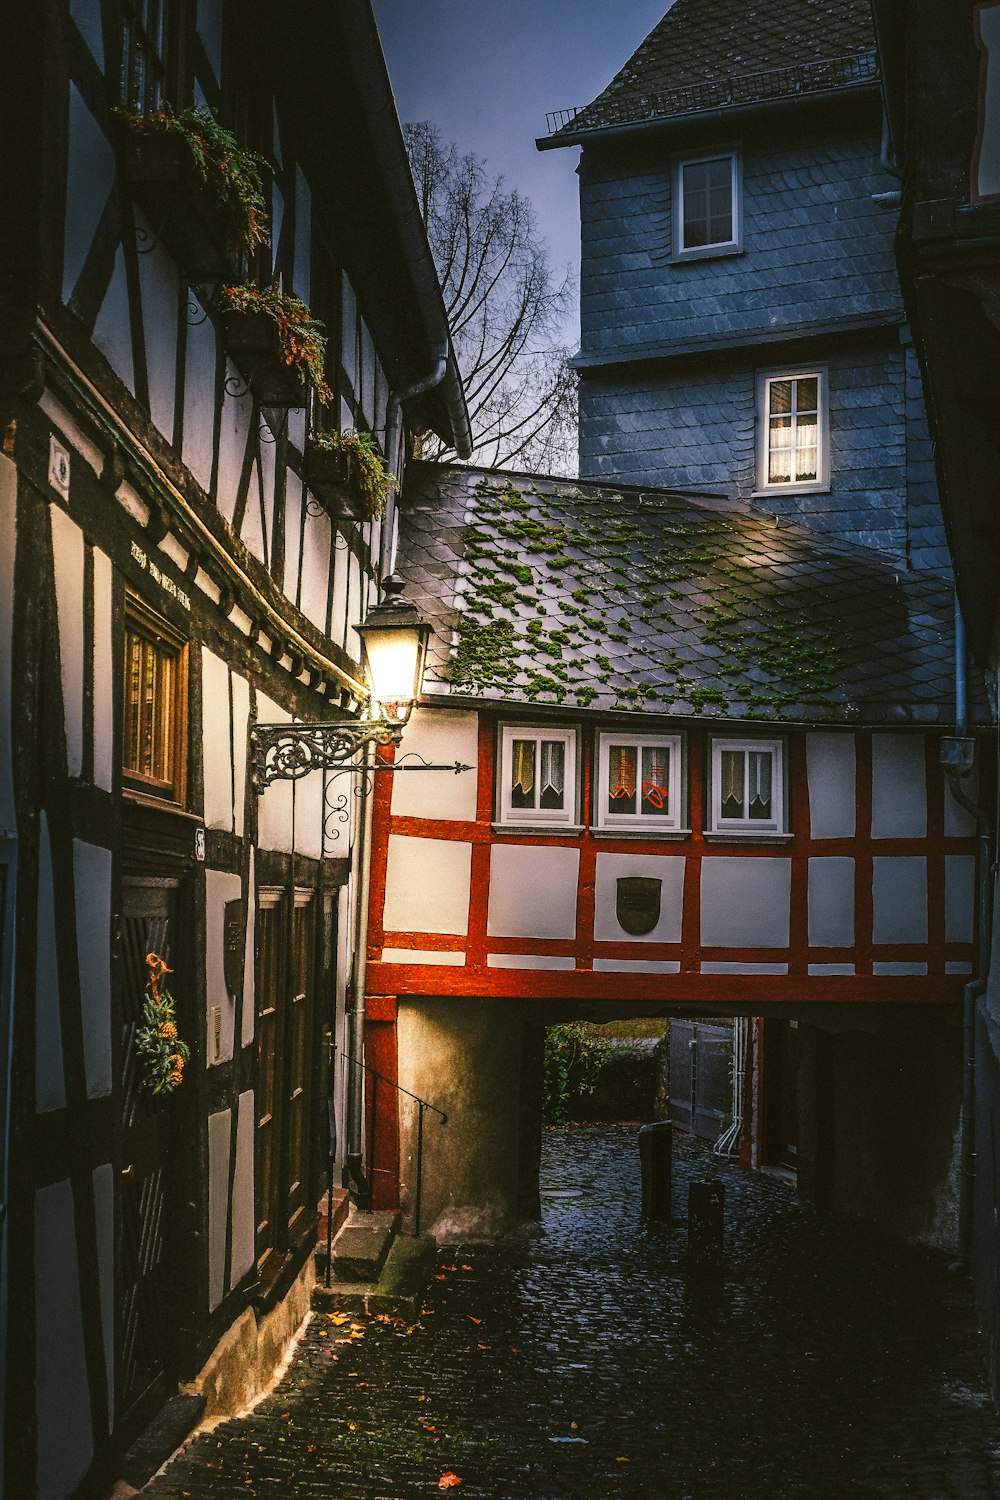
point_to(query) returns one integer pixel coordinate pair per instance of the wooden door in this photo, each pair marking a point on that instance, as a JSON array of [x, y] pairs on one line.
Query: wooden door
[[286, 1003], [145, 1349]]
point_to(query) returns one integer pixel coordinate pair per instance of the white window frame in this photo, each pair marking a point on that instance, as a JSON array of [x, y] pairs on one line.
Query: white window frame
[[776, 826], [765, 379], [531, 817], [719, 247], [639, 822]]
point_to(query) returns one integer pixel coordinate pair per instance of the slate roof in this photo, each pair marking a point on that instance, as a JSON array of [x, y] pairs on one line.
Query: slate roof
[[710, 54], [590, 595]]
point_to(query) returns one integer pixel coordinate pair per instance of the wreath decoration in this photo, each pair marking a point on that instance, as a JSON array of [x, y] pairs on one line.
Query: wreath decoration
[[161, 1050]]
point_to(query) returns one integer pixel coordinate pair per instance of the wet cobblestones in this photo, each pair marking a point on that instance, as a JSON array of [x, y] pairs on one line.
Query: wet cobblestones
[[584, 1362]]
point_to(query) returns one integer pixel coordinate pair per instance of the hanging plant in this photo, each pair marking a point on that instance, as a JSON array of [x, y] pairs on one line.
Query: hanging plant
[[162, 1052], [301, 343], [232, 174], [351, 460]]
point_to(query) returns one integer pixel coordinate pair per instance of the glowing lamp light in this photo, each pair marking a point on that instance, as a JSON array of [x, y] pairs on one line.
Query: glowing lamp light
[[394, 638]]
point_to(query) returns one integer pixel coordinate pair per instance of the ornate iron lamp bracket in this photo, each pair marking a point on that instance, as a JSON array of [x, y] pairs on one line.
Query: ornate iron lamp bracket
[[286, 752]]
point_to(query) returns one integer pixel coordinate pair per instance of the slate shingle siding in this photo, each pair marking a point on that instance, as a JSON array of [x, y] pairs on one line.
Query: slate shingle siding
[[695, 429], [816, 248]]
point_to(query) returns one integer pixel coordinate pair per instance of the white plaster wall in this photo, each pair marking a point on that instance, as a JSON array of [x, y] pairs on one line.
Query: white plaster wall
[[210, 31], [899, 899], [959, 897], [831, 903], [302, 268], [338, 615], [959, 824], [309, 814], [293, 538], [219, 1132], [830, 765], [199, 402], [87, 17], [745, 902], [62, 1390], [636, 966], [354, 611], [274, 807], [249, 975], [104, 1215], [67, 552], [233, 432], [220, 887], [8, 527], [104, 697], [316, 568], [899, 787], [159, 285], [441, 737], [433, 956], [667, 868], [529, 961], [244, 1223], [241, 715], [50, 1086], [92, 887], [216, 741], [427, 885], [532, 891], [113, 328], [253, 533], [89, 180]]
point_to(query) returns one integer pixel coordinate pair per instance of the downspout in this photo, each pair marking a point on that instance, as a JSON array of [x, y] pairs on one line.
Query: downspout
[[354, 1155], [958, 760]]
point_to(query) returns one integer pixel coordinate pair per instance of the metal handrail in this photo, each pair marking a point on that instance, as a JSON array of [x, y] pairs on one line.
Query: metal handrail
[[726, 90], [364, 1185]]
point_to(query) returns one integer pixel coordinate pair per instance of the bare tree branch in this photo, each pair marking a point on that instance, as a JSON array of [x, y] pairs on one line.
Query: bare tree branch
[[505, 307]]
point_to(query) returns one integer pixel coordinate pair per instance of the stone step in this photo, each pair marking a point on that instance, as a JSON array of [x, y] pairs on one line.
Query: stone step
[[399, 1290], [361, 1245]]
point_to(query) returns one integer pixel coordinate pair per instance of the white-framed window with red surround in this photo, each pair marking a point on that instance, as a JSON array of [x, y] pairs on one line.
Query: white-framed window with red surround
[[640, 785], [747, 787], [538, 783]]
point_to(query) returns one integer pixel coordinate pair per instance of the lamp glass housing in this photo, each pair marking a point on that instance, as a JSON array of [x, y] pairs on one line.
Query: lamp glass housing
[[394, 638]]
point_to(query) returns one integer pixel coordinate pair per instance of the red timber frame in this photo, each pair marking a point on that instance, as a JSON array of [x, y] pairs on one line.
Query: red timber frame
[[754, 992]]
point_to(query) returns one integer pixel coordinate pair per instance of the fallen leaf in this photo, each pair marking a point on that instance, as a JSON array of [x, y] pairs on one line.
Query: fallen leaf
[[466, 1268], [448, 1481], [474, 1320], [621, 1460], [449, 1268], [439, 1278], [427, 1426], [352, 1426]]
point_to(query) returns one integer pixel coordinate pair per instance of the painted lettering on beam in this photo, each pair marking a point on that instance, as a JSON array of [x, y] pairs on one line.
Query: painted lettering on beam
[[155, 572]]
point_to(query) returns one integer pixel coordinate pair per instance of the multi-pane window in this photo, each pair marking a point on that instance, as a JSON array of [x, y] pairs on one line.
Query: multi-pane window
[[793, 431], [148, 37], [747, 786], [155, 703], [706, 205], [537, 775], [639, 781]]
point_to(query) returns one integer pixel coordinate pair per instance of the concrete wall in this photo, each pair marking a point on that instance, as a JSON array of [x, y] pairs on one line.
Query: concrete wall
[[891, 1154], [465, 1057]]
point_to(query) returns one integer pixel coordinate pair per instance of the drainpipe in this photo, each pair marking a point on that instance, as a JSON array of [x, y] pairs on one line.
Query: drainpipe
[[354, 1154], [958, 757]]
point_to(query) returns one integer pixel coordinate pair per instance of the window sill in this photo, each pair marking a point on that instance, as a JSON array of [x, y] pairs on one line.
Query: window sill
[[645, 834], [710, 252], [771, 492], [557, 830], [747, 838], [159, 804]]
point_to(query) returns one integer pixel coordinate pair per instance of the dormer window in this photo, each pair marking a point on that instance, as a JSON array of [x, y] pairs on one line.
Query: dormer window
[[706, 205]]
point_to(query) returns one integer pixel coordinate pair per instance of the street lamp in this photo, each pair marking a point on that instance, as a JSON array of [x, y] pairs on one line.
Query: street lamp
[[394, 641]]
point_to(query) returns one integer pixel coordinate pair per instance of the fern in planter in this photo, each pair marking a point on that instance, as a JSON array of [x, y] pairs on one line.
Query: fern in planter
[[362, 469], [232, 174], [297, 335]]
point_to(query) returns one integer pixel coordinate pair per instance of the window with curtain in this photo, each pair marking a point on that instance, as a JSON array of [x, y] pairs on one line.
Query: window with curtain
[[537, 775], [747, 786], [706, 205], [639, 781], [793, 446]]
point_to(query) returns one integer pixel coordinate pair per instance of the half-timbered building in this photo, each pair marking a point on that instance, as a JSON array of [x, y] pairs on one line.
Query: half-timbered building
[[175, 567], [708, 783]]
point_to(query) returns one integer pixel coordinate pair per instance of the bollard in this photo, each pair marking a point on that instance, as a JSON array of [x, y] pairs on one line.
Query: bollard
[[706, 1205], [656, 1165]]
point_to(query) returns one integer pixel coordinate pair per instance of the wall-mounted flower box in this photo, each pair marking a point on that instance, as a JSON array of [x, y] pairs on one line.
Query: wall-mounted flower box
[[347, 474], [166, 184], [202, 192], [253, 343]]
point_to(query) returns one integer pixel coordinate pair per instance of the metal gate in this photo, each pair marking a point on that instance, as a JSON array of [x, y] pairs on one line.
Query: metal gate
[[701, 1062]]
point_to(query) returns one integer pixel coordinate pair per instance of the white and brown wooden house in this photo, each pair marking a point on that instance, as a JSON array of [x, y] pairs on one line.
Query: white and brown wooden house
[[166, 574], [707, 782]]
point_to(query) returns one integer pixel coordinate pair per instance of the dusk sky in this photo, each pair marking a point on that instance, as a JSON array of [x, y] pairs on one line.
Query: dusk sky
[[486, 74]]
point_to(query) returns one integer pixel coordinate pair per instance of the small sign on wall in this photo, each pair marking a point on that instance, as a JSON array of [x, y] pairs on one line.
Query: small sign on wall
[[58, 467], [233, 947]]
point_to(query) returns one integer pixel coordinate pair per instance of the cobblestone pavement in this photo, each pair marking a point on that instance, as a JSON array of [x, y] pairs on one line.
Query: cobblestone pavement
[[584, 1362]]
